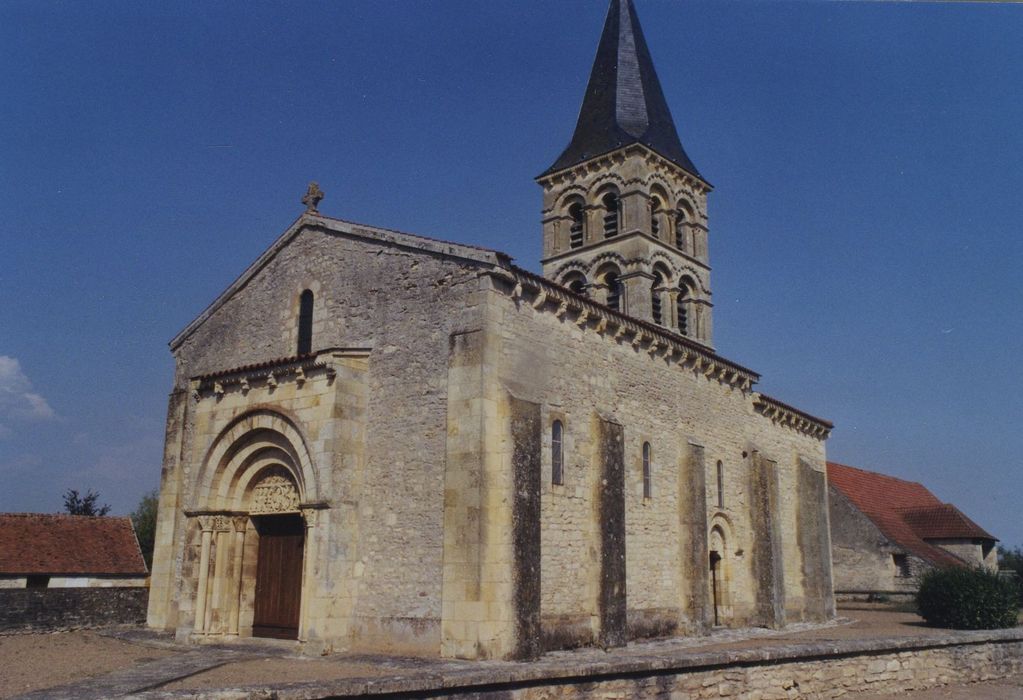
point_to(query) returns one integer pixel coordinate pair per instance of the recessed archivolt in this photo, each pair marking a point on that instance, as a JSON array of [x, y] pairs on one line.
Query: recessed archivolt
[[604, 185], [255, 444], [572, 194], [660, 259], [609, 257], [688, 272], [569, 267], [721, 530]]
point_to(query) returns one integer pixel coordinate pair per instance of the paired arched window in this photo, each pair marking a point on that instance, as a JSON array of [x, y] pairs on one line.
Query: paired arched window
[[721, 484], [305, 323], [557, 453], [611, 214], [614, 290], [648, 487], [575, 226]]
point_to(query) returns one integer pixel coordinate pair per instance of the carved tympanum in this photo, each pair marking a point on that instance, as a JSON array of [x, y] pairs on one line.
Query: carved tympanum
[[274, 494]]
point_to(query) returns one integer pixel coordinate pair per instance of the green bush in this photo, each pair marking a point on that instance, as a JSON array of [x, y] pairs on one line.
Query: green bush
[[967, 599]]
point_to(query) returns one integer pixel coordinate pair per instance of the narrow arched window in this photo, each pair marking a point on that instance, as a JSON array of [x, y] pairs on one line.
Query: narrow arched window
[[575, 227], [648, 488], [557, 453], [578, 286], [655, 217], [721, 484], [683, 315], [680, 230], [614, 290], [611, 205], [655, 299], [305, 323]]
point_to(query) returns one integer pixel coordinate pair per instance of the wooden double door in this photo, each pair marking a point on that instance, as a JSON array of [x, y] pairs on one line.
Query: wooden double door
[[278, 576]]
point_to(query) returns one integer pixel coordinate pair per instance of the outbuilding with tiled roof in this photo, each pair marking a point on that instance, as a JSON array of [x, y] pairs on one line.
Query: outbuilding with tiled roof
[[886, 531], [68, 551]]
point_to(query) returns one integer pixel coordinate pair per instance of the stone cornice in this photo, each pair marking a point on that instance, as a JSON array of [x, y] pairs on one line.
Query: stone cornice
[[662, 246], [609, 160], [542, 294], [269, 374], [783, 414]]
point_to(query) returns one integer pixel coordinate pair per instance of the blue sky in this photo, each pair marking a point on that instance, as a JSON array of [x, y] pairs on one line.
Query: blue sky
[[864, 226]]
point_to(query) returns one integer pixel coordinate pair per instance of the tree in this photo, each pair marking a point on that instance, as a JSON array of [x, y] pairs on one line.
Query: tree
[[144, 520], [84, 505]]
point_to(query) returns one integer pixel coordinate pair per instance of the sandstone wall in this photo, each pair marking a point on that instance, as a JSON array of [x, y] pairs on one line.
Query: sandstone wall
[[584, 378], [381, 538]]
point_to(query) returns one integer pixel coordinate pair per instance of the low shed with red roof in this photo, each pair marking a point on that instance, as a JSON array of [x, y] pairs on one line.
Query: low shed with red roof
[[886, 531], [68, 551]]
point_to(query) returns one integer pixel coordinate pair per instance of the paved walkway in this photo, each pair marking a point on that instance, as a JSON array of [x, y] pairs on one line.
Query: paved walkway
[[140, 678]]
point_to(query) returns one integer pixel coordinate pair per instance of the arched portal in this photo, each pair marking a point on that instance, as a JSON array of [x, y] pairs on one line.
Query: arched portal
[[254, 530]]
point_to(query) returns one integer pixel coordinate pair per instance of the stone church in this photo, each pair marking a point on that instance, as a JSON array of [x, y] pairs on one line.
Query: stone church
[[382, 442]]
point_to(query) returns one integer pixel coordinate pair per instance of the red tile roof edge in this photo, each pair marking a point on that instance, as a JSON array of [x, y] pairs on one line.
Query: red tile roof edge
[[881, 497], [69, 545]]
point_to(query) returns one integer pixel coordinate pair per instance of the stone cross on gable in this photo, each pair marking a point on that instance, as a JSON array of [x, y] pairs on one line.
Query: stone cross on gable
[[312, 198]]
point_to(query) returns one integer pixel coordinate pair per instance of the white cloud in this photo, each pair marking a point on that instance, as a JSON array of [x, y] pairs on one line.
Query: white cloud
[[17, 400]]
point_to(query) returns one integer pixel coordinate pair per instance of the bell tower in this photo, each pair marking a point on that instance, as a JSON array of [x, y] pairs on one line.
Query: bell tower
[[624, 208]]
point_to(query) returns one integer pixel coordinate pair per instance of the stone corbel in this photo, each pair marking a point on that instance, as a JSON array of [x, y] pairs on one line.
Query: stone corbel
[[271, 381], [218, 389], [244, 385], [541, 299], [562, 310], [300, 376], [583, 316]]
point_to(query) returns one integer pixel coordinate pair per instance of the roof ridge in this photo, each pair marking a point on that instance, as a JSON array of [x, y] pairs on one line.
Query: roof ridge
[[24, 514], [880, 474]]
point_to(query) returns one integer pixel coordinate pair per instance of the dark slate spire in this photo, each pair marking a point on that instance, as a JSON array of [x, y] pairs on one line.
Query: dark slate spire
[[624, 103]]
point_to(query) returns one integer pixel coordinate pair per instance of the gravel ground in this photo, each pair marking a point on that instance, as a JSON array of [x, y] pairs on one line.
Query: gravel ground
[[36, 661]]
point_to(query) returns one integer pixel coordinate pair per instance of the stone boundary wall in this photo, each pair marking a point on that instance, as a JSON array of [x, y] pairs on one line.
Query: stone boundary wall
[[813, 671], [48, 609]]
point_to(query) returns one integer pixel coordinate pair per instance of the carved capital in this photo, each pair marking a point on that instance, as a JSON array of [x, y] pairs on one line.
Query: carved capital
[[206, 522], [311, 516]]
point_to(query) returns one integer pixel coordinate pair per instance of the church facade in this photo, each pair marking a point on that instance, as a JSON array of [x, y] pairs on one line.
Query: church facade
[[383, 442]]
